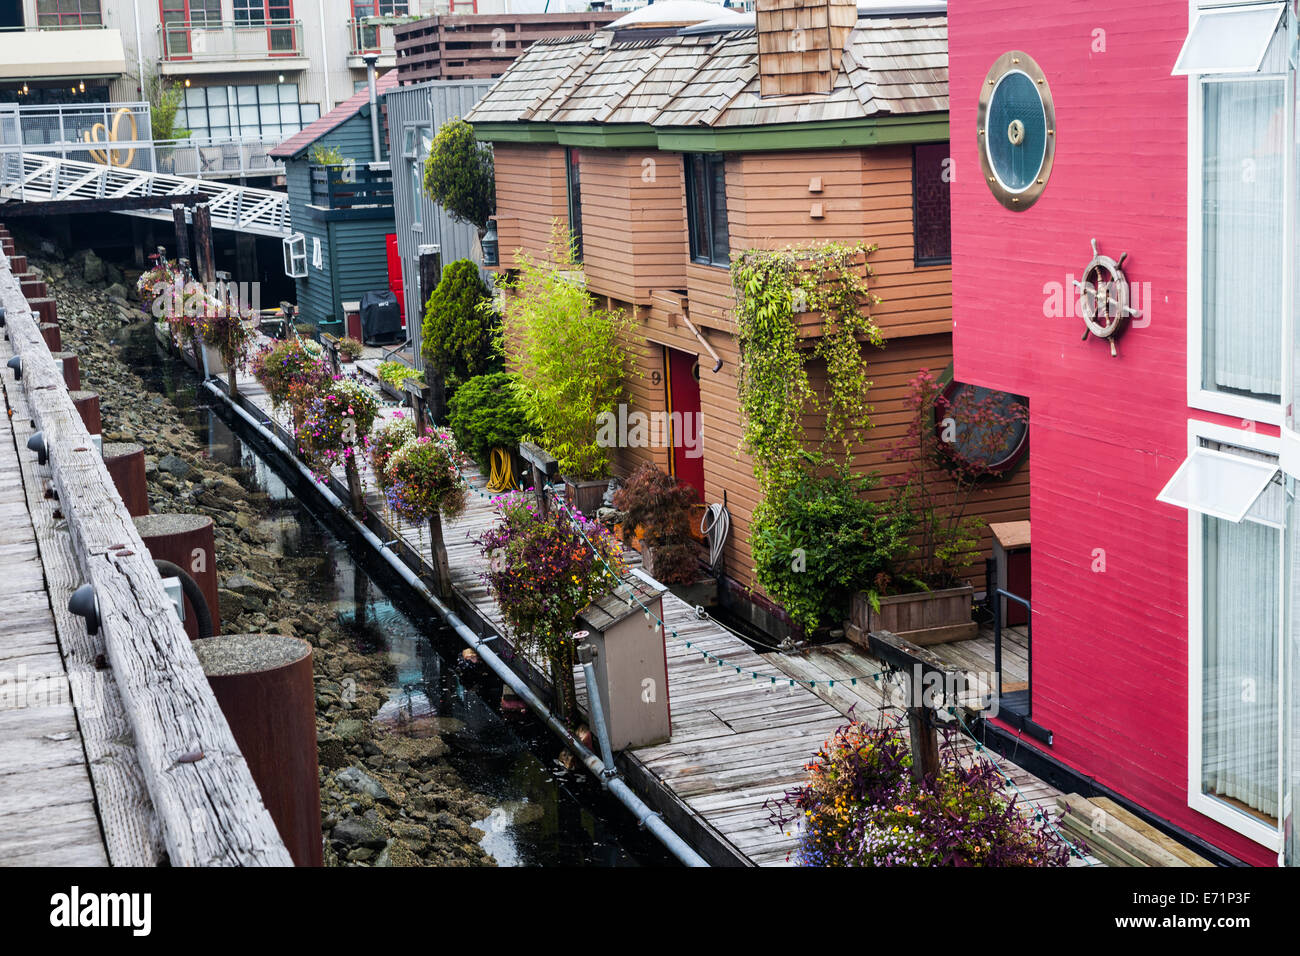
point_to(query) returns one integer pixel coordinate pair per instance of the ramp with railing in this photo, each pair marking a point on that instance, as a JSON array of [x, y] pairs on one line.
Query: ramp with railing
[[46, 178]]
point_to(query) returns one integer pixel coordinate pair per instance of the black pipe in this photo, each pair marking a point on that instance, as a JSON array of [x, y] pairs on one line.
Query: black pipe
[[192, 591]]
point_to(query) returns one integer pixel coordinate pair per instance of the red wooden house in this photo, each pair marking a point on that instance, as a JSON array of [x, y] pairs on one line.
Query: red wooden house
[[1165, 527]]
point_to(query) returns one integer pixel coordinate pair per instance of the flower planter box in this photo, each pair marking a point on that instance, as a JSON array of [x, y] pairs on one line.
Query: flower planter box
[[585, 496], [927, 617], [212, 362]]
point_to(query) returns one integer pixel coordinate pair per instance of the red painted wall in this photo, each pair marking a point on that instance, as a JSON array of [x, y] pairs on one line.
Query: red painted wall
[[1110, 647]]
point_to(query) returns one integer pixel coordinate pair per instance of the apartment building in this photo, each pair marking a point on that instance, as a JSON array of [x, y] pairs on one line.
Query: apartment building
[[252, 69]]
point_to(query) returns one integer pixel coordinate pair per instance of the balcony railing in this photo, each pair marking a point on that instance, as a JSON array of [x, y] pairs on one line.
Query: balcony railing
[[370, 36], [191, 41], [351, 187]]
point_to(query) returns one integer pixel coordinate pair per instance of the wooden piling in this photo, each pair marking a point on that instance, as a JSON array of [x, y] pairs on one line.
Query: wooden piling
[[32, 286], [53, 339], [87, 404], [125, 464], [263, 683], [188, 541], [71, 369]]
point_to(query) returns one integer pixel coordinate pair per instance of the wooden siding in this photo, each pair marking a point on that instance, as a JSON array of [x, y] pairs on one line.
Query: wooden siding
[[531, 194], [633, 222], [865, 196], [353, 253]]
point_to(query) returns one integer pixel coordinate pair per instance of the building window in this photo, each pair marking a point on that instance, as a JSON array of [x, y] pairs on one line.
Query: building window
[[1238, 504], [268, 111], [931, 204], [379, 8], [706, 208], [1242, 255], [572, 161], [68, 13], [255, 12], [416, 142], [1239, 183]]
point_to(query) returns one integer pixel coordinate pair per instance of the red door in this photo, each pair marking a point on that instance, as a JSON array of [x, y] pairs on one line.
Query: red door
[[395, 275], [684, 414]]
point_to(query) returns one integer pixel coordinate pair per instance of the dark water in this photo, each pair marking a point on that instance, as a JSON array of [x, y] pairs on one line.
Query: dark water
[[543, 814]]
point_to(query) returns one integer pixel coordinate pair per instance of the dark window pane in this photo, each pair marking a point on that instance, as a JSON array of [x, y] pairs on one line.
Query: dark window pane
[[932, 230], [718, 189], [572, 160]]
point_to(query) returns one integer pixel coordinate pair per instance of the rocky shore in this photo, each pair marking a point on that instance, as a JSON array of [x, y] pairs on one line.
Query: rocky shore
[[387, 798]]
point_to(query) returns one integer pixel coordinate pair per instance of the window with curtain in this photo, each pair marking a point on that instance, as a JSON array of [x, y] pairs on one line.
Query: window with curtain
[[1241, 627], [68, 13], [1242, 215], [706, 208]]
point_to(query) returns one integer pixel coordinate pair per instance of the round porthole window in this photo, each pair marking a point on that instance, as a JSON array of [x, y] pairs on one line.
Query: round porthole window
[[1017, 130]]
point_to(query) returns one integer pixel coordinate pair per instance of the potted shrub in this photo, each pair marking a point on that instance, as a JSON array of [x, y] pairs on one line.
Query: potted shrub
[[947, 448], [569, 362], [542, 572], [349, 349], [862, 806], [459, 325], [817, 537], [487, 419], [655, 502]]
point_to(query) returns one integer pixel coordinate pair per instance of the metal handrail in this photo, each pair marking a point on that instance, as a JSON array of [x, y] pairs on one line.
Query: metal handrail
[[999, 593]]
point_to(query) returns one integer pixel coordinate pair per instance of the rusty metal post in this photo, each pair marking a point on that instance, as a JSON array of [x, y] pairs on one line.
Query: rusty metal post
[[125, 464], [71, 369], [87, 404], [187, 541], [263, 683]]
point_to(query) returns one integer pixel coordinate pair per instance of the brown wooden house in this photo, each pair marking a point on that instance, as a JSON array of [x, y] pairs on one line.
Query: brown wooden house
[[659, 148]]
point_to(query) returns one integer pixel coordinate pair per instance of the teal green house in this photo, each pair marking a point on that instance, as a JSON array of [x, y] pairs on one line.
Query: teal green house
[[342, 214]]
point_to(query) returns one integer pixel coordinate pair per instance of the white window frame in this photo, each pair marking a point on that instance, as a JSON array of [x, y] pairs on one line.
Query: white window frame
[[295, 252], [1199, 397], [1197, 799]]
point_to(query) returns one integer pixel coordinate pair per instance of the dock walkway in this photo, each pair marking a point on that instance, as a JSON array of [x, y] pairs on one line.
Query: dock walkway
[[47, 803], [744, 724]]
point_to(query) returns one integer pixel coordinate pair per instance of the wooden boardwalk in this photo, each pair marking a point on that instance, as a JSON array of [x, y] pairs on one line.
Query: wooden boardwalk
[[47, 804], [738, 740]]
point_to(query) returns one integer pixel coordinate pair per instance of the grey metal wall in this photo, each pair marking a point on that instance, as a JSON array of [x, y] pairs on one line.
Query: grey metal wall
[[430, 105]]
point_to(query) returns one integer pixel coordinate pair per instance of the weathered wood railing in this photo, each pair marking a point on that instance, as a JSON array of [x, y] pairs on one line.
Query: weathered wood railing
[[208, 808]]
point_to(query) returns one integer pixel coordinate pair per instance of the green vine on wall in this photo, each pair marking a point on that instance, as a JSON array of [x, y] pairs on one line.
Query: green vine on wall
[[773, 287]]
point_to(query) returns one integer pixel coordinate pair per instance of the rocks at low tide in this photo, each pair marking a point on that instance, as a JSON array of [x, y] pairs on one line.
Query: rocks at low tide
[[387, 798]]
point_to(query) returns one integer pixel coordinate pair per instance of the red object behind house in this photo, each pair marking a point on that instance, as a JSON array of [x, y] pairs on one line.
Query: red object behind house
[[1110, 572], [395, 275], [684, 390]]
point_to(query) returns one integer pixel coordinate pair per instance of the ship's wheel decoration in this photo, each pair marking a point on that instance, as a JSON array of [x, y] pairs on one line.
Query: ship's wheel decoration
[[1104, 299]]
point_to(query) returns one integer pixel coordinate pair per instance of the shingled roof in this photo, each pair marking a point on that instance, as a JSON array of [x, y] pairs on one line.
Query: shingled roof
[[892, 65]]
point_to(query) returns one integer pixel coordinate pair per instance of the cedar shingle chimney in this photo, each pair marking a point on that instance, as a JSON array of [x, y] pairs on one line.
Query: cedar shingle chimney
[[800, 43]]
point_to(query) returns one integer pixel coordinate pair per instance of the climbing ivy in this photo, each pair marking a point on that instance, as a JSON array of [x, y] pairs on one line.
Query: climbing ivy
[[773, 287]]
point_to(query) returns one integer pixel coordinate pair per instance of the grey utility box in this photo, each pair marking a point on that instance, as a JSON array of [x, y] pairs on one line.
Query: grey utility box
[[631, 664]]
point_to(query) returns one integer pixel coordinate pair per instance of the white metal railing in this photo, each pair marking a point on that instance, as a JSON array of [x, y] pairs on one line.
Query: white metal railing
[[43, 177], [197, 42], [370, 35], [117, 134]]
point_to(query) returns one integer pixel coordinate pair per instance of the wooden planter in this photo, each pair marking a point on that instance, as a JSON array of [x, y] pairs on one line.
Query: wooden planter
[[585, 496], [927, 617]]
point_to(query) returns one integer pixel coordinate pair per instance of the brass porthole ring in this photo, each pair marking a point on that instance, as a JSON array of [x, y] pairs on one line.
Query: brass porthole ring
[[1017, 130]]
